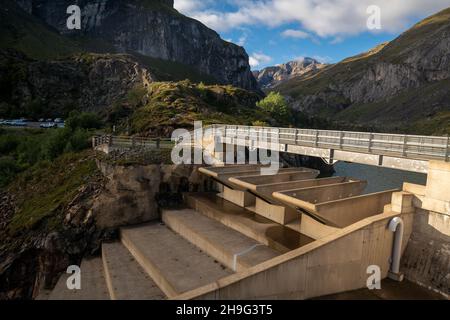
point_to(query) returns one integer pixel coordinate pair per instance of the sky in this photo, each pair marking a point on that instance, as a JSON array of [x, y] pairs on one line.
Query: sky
[[278, 31]]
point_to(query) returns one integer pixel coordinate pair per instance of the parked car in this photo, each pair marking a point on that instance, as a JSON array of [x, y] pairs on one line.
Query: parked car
[[18, 123], [49, 120], [48, 125], [59, 120], [41, 120]]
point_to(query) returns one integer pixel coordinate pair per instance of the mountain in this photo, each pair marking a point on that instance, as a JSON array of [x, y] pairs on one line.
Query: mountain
[[151, 28], [403, 85], [272, 76]]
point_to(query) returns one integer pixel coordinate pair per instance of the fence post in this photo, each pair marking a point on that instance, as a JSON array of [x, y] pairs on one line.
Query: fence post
[[158, 143], [316, 142], [405, 144], [370, 142], [447, 149]]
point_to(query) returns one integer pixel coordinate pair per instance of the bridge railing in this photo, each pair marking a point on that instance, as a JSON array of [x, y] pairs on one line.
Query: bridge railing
[[125, 142], [403, 146]]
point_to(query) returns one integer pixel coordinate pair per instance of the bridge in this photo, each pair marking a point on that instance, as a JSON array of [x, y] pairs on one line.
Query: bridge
[[396, 151]]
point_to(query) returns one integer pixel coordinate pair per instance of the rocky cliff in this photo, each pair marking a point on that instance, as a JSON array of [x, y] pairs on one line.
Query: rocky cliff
[[152, 28], [402, 85], [272, 76], [87, 82]]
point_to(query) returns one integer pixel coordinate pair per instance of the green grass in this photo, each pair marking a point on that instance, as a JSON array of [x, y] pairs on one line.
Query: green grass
[[47, 187], [179, 104]]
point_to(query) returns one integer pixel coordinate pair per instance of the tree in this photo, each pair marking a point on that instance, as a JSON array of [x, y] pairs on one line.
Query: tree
[[275, 104]]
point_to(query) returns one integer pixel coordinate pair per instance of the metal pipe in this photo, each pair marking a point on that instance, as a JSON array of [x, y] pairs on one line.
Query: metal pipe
[[396, 225]]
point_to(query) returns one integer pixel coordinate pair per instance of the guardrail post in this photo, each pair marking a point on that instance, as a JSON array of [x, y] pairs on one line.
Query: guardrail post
[[370, 142], [341, 139], [405, 145], [447, 149], [316, 142], [158, 143]]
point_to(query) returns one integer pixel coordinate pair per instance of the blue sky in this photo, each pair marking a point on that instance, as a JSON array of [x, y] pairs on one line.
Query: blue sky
[[277, 31]]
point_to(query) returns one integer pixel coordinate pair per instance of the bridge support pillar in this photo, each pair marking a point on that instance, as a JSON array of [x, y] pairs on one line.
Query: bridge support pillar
[[437, 191]]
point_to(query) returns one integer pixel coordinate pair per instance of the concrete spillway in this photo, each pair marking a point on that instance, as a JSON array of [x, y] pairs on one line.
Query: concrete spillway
[[282, 236]]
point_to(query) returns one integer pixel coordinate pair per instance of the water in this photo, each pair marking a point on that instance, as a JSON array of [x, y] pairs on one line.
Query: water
[[379, 179]]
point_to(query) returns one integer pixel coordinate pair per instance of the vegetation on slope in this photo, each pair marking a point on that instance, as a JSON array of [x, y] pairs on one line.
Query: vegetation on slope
[[21, 150], [43, 191], [168, 105]]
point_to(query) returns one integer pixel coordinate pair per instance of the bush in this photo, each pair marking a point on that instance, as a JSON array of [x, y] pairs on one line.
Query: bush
[[277, 107], [135, 96], [84, 120], [55, 144], [80, 140]]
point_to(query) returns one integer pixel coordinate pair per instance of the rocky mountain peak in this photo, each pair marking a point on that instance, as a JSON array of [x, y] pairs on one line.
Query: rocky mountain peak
[[273, 76]]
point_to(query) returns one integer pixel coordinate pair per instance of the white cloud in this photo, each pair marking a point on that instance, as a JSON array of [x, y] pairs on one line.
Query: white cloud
[[297, 34], [258, 58], [242, 40], [325, 18]]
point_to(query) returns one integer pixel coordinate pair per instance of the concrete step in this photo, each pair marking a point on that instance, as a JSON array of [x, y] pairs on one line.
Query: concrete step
[[254, 226], [125, 278], [228, 246], [93, 284], [173, 263]]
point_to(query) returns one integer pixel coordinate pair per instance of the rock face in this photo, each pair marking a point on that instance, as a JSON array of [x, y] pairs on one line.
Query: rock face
[[272, 76], [120, 195], [395, 85], [133, 194], [151, 28], [92, 82]]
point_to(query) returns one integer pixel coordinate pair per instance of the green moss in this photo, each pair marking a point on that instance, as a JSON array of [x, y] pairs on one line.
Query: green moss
[[47, 187]]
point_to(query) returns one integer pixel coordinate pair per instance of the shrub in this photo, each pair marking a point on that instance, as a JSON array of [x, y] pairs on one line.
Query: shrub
[[276, 106], [84, 120], [78, 141], [55, 144], [136, 96]]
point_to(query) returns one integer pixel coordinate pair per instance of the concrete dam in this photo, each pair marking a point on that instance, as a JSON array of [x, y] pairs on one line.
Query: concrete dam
[[287, 235]]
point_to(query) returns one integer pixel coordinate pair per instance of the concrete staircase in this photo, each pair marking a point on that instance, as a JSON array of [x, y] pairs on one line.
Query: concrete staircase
[[192, 248]]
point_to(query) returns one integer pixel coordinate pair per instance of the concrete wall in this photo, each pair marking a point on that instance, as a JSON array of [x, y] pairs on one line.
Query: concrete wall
[[333, 264], [427, 257], [347, 211]]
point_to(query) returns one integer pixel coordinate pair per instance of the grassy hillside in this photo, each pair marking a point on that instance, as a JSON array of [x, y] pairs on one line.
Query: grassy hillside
[[179, 104]]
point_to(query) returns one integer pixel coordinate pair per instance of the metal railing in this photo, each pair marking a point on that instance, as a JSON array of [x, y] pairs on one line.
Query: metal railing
[[396, 145], [382, 144], [124, 142]]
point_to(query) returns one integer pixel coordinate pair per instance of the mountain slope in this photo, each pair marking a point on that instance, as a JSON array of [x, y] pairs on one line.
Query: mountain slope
[[272, 76], [152, 28], [399, 86]]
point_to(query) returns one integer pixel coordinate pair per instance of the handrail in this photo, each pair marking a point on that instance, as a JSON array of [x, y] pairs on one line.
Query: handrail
[[413, 147], [403, 146]]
